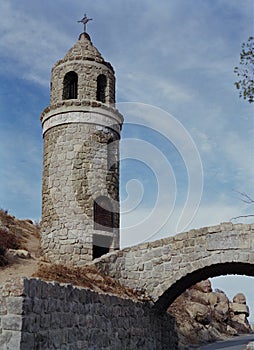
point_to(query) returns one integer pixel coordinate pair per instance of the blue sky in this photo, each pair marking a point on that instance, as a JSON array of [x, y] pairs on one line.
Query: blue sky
[[175, 56]]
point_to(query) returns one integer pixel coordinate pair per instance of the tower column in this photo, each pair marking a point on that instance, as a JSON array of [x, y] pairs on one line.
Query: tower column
[[81, 130]]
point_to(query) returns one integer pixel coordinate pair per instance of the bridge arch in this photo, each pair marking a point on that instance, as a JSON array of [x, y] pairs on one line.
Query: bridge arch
[[214, 270], [166, 267]]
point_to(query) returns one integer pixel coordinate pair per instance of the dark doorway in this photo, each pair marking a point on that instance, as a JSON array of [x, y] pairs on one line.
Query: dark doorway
[[101, 245], [99, 251]]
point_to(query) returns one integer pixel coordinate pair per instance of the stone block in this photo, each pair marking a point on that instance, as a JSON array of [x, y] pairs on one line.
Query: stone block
[[213, 229], [226, 226], [10, 340], [12, 322], [59, 338], [3, 306], [31, 323], [14, 305], [27, 341], [227, 240], [45, 321], [37, 305], [42, 340]]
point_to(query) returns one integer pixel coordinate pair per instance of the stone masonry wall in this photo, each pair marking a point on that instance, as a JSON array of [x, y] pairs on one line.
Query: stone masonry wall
[[76, 158], [46, 316], [87, 80], [175, 262]]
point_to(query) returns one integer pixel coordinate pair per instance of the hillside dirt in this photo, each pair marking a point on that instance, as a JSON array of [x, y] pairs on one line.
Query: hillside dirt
[[25, 235]]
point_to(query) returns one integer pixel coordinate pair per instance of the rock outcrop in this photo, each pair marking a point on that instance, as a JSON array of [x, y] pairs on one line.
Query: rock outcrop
[[239, 312], [203, 315]]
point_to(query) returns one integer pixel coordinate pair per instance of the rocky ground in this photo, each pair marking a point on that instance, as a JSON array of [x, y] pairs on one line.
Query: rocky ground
[[19, 247], [202, 315]]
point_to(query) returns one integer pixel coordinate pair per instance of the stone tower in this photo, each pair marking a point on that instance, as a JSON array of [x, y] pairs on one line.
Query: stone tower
[[81, 131]]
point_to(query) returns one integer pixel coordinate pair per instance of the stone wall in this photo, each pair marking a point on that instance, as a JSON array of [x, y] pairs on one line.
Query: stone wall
[[47, 316], [75, 174], [167, 267]]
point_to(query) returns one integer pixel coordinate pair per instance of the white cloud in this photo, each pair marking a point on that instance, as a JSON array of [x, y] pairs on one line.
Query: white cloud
[[136, 226], [149, 87], [29, 43]]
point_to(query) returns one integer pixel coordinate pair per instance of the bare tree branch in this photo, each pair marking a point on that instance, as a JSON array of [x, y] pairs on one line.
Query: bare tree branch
[[246, 198], [242, 216]]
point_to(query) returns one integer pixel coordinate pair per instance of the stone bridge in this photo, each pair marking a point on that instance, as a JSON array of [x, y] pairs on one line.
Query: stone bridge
[[167, 267]]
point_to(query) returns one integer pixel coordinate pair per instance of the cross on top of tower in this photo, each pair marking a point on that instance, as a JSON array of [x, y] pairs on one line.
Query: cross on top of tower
[[84, 20]]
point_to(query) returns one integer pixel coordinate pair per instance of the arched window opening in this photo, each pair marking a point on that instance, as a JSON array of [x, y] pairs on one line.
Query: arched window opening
[[103, 215], [101, 88], [70, 86]]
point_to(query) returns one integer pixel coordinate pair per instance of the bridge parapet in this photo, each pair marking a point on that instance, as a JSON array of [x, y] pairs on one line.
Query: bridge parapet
[[171, 265]]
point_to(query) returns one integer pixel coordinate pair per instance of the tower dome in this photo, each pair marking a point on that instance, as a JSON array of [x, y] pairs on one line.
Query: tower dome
[[81, 131], [84, 48]]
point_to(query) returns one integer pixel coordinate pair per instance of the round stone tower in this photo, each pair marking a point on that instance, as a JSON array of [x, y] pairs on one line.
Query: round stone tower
[[81, 131]]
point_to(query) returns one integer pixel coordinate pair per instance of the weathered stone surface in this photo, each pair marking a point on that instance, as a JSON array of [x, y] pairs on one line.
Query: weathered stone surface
[[20, 253], [12, 322], [65, 317], [228, 240], [240, 309], [231, 331], [239, 312], [203, 286], [199, 312], [211, 250], [203, 297], [239, 298], [10, 340], [14, 305], [206, 317], [221, 311]]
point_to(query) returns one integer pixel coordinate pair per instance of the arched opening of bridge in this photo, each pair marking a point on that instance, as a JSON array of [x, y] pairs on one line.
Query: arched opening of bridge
[[232, 268]]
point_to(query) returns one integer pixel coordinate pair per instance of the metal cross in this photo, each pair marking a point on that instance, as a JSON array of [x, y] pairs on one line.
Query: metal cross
[[84, 20]]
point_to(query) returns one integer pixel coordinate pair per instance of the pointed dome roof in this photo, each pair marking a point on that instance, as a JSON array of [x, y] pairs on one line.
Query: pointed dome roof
[[84, 50]]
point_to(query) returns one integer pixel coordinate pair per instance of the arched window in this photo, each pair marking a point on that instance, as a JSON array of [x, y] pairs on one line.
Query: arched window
[[70, 86], [101, 87], [103, 215]]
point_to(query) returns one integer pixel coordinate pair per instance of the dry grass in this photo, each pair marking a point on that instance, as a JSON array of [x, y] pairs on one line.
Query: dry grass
[[87, 277]]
